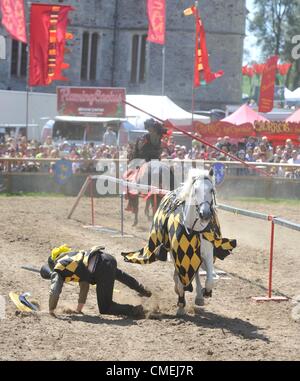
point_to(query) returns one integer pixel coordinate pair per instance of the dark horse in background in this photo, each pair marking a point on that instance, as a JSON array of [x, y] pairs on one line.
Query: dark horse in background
[[153, 174], [145, 168]]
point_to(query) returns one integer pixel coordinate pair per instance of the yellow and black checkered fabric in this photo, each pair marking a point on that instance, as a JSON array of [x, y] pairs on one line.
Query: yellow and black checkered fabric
[[71, 265], [169, 232]]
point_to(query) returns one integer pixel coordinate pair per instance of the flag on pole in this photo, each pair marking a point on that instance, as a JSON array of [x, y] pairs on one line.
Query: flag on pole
[[201, 67], [156, 10], [266, 98], [48, 35], [13, 18]]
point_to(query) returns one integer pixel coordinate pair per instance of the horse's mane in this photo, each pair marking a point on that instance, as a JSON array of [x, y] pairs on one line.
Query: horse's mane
[[188, 184]]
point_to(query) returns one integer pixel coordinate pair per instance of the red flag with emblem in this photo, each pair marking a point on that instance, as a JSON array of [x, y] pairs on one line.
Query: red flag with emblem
[[266, 99], [13, 18], [48, 35], [156, 10], [201, 67]]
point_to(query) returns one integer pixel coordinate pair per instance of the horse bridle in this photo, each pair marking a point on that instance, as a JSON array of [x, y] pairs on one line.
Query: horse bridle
[[211, 204]]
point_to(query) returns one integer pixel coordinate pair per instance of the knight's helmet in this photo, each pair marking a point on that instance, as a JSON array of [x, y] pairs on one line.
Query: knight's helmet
[[151, 123], [46, 270]]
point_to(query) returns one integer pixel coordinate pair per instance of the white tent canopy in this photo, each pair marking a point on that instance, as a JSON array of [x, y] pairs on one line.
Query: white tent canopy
[[87, 119], [161, 107], [292, 95]]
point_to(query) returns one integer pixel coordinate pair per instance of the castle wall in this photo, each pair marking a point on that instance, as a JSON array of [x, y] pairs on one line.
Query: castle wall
[[117, 20]]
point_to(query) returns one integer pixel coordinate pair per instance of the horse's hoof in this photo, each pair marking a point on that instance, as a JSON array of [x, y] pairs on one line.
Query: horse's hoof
[[207, 294], [180, 312], [197, 310], [199, 302]]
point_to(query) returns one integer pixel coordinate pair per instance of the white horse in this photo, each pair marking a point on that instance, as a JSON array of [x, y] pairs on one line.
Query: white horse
[[186, 226], [198, 195]]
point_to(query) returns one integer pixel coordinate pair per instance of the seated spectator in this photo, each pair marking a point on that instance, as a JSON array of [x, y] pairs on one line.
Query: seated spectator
[[48, 142], [251, 143], [289, 145], [295, 159], [249, 155], [227, 143], [220, 143]]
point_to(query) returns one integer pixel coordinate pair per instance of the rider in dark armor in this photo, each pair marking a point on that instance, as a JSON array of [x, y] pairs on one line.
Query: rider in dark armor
[[147, 147]]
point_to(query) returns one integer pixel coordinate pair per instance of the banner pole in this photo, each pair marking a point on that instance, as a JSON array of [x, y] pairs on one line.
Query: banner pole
[[163, 70], [27, 69], [193, 87]]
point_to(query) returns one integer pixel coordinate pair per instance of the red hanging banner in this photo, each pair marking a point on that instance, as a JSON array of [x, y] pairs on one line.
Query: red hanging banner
[[13, 18], [48, 35], [266, 99], [201, 53], [156, 10]]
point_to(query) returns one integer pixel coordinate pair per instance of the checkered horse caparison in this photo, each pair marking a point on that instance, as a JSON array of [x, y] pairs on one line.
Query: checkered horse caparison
[[168, 233]]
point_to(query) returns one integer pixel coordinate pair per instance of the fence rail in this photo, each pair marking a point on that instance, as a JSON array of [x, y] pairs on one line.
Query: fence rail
[[260, 216], [287, 224], [228, 164], [244, 212], [274, 221]]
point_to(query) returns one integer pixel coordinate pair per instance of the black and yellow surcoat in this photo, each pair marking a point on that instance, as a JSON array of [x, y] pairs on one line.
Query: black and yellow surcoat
[[72, 266], [168, 233]]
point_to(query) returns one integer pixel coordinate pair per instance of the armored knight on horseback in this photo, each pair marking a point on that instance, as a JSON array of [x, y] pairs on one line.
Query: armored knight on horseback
[[147, 148]]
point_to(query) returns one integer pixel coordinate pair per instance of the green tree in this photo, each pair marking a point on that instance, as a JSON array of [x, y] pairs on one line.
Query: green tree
[[274, 23], [270, 24], [293, 29]]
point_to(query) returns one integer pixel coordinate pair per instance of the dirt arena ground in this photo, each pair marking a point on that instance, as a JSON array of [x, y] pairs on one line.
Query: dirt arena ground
[[230, 326]]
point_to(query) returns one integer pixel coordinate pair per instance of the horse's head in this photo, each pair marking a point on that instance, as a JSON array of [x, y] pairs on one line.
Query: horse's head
[[198, 193]]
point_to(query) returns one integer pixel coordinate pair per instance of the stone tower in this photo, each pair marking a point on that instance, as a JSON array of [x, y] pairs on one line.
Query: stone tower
[[110, 49]]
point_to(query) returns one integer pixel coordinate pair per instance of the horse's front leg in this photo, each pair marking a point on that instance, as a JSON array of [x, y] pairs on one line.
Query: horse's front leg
[[136, 210], [207, 254], [179, 289], [199, 300], [147, 208]]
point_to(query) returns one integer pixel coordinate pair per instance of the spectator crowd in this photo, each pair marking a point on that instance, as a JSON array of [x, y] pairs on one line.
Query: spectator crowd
[[250, 150]]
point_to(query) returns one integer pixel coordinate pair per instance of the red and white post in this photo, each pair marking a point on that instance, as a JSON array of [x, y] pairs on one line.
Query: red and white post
[[271, 298]]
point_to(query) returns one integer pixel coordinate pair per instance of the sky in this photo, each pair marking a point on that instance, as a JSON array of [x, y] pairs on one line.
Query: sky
[[250, 41]]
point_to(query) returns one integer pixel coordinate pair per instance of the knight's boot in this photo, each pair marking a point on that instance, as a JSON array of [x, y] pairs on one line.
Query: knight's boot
[[143, 291], [124, 309]]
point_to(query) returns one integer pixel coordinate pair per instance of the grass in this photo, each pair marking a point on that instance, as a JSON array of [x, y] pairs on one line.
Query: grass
[[32, 194], [45, 194]]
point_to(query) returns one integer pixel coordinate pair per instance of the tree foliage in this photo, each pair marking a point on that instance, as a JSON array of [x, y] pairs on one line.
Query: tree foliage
[[274, 24]]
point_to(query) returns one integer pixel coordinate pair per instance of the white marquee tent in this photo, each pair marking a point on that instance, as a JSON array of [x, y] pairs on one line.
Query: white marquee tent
[[161, 107], [292, 96]]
